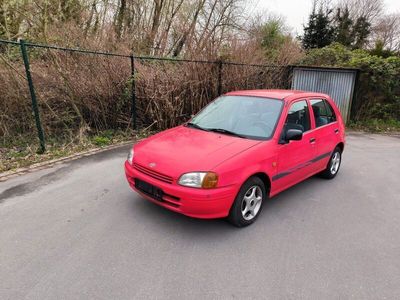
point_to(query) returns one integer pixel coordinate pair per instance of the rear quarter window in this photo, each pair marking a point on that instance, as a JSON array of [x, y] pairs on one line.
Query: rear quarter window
[[323, 112]]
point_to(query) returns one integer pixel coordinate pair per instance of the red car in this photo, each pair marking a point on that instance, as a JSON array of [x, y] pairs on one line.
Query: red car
[[241, 149]]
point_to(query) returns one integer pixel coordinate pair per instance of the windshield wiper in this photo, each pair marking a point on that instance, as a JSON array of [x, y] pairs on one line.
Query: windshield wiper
[[225, 131], [219, 130], [190, 124]]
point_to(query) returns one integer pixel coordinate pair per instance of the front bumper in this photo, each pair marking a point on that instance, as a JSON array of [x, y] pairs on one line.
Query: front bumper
[[193, 202]]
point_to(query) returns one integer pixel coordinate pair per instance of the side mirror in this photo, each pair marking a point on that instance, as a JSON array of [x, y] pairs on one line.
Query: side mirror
[[293, 135]]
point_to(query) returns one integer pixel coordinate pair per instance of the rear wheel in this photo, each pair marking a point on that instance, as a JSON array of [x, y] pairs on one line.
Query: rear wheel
[[333, 165], [248, 202]]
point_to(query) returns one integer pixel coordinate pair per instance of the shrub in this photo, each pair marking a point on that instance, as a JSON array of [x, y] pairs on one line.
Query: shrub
[[378, 91], [101, 141], [81, 95]]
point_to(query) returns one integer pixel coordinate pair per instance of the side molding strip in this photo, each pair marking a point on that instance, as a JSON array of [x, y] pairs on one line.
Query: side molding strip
[[300, 166]]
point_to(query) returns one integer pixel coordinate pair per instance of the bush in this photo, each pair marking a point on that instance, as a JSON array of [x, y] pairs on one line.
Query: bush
[[80, 95], [378, 91], [101, 141]]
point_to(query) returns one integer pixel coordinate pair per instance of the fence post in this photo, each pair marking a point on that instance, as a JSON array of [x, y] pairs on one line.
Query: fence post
[[219, 91], [133, 92], [33, 96], [289, 76]]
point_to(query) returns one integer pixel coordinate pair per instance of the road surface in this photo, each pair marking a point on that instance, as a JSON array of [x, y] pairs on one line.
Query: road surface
[[77, 231]]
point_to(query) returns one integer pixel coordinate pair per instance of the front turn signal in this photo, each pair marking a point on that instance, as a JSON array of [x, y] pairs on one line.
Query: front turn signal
[[210, 181]]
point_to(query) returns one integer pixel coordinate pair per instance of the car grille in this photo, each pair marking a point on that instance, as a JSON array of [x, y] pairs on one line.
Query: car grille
[[152, 173]]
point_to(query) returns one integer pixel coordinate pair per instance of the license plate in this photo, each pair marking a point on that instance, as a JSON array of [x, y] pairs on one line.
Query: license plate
[[149, 189]]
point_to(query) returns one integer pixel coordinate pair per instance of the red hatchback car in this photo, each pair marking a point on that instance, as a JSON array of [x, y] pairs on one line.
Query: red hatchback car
[[241, 149]]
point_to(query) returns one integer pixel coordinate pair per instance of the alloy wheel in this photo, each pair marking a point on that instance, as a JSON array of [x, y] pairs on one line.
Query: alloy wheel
[[335, 163], [251, 202]]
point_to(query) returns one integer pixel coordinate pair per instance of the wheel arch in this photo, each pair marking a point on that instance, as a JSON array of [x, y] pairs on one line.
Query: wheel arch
[[341, 146], [265, 179]]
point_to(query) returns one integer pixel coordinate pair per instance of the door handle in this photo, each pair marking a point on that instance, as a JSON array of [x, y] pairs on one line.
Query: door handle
[[336, 131], [312, 140]]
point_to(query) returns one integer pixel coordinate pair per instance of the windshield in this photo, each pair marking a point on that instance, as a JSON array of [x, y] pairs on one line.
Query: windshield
[[243, 116]]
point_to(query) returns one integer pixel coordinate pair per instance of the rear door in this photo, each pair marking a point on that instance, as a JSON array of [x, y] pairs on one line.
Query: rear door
[[295, 157], [326, 130]]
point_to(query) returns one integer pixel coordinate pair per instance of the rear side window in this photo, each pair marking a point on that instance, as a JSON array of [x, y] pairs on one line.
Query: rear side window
[[323, 112], [298, 116]]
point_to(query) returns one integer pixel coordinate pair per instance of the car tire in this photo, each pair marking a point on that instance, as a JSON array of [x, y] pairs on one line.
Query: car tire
[[333, 165], [248, 203]]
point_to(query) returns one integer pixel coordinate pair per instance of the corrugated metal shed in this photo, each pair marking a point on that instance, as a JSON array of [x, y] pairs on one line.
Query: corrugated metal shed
[[338, 83]]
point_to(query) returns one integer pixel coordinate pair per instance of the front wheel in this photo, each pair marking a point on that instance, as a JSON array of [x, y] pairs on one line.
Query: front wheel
[[248, 202], [333, 165]]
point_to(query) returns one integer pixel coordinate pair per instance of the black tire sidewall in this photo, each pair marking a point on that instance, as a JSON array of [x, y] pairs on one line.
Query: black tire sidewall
[[327, 172], [235, 214]]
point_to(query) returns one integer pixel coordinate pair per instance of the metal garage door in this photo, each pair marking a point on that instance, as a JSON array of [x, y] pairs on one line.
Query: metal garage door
[[338, 83]]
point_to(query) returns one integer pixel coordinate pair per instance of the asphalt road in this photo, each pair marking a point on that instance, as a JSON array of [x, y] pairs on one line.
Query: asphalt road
[[76, 231]]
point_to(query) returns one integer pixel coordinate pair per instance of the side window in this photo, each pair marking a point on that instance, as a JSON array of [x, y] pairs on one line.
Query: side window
[[330, 113], [298, 116], [323, 112]]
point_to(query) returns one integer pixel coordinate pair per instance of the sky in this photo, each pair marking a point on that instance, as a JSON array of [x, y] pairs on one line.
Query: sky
[[295, 12]]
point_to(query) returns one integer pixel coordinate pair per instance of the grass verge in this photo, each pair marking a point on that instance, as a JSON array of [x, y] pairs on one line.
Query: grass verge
[[376, 125], [22, 151]]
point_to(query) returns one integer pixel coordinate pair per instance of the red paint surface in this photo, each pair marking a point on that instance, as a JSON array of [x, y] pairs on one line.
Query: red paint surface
[[183, 149]]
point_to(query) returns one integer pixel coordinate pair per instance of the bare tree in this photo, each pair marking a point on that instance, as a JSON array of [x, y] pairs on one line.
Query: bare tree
[[158, 7], [387, 30], [371, 10], [189, 30]]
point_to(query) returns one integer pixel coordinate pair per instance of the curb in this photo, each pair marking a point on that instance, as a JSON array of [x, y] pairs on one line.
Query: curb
[[49, 163]]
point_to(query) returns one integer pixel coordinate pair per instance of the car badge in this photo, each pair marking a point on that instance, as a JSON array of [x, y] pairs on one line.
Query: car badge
[[152, 165]]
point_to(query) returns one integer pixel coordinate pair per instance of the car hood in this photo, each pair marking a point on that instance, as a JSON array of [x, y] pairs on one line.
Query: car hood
[[183, 149]]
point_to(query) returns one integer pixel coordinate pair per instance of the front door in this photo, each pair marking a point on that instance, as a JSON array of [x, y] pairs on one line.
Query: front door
[[295, 157]]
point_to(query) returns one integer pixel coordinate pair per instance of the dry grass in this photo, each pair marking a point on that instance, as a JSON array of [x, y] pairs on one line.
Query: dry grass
[[81, 95]]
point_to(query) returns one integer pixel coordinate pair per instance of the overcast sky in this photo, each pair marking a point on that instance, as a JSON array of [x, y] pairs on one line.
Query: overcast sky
[[295, 12]]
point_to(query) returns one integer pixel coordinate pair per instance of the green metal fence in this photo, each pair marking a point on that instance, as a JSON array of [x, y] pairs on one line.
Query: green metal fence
[[223, 74]]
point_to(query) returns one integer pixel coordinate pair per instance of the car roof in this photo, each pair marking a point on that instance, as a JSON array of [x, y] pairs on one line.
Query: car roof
[[286, 95]]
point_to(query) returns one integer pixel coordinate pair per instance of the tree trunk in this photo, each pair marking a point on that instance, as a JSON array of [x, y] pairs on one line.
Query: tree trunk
[[120, 19], [178, 49], [158, 5]]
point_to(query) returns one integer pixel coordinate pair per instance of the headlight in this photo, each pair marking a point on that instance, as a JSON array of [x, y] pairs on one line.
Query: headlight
[[130, 156], [205, 180]]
